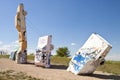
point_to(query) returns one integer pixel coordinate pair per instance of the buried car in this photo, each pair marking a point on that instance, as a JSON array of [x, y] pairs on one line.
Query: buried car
[[90, 55]]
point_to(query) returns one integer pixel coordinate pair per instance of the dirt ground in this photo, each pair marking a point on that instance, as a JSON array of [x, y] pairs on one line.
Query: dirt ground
[[56, 72]]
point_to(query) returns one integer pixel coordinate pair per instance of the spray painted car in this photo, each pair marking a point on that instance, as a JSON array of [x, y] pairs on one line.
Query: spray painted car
[[90, 55], [43, 52]]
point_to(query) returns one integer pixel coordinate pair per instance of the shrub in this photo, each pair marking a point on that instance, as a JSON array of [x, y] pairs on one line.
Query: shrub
[[63, 52]]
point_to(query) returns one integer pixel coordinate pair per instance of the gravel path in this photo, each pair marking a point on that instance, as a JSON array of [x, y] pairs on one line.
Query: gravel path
[[56, 72]]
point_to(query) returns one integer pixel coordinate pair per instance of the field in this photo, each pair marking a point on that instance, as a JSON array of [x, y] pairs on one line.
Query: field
[[109, 67]]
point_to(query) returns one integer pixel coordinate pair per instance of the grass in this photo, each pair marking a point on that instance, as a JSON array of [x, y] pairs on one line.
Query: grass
[[30, 57], [4, 56], [110, 67], [12, 75], [54, 59], [60, 60]]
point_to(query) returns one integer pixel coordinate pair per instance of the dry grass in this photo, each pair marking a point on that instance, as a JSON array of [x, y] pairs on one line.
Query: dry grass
[[4, 56], [60, 60], [12, 75], [110, 67]]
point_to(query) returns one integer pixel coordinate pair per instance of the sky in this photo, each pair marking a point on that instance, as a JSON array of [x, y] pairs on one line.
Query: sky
[[70, 22]]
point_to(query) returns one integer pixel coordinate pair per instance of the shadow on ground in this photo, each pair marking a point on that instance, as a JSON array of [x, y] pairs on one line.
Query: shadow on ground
[[30, 63], [104, 76], [53, 66], [62, 67]]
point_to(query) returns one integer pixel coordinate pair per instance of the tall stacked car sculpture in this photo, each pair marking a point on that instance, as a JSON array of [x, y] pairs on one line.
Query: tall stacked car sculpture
[[20, 24]]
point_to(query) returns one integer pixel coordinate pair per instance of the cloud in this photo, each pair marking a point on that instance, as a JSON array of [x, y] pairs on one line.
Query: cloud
[[115, 57], [13, 46], [9, 47], [1, 42], [30, 51], [15, 42], [6, 46], [72, 44]]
